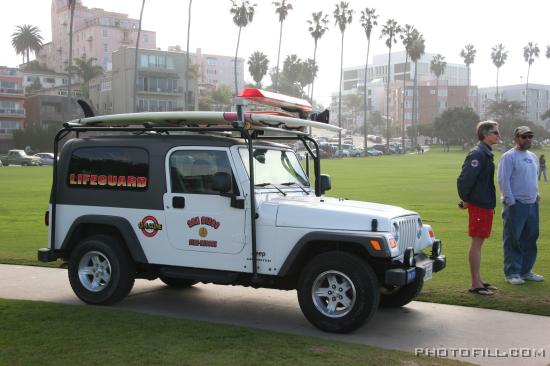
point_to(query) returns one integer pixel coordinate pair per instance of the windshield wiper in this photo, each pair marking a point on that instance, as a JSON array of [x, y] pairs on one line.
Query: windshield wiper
[[295, 184], [270, 184]]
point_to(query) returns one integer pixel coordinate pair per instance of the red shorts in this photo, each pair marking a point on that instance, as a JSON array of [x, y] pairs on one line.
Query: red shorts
[[480, 221]]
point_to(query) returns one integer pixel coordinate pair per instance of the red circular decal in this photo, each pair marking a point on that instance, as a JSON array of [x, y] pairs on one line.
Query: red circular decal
[[149, 226]]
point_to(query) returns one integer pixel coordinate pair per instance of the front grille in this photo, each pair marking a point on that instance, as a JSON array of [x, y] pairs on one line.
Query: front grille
[[408, 229]]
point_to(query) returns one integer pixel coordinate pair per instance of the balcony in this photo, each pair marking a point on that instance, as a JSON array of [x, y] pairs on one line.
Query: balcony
[[177, 91], [11, 91], [12, 112]]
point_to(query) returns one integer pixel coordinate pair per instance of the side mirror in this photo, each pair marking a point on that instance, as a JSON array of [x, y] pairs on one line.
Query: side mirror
[[221, 182], [326, 183]]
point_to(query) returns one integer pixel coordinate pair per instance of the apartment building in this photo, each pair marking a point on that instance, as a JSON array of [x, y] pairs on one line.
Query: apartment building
[[12, 111], [215, 70]]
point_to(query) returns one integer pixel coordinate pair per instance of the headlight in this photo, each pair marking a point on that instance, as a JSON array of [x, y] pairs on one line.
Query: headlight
[[395, 231]]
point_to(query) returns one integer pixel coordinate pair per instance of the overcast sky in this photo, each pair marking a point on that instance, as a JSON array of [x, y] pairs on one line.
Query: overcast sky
[[447, 26]]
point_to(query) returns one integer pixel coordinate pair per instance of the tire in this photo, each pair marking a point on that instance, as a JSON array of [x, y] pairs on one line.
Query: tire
[[395, 297], [359, 291], [114, 270], [177, 282]]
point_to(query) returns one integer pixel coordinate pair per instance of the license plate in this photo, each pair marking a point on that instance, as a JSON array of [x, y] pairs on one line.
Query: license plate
[[428, 271]]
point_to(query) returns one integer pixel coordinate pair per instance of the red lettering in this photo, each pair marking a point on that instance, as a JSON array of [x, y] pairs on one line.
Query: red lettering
[[112, 180], [193, 222], [121, 181], [85, 178], [131, 181], [72, 179], [93, 180], [79, 179], [102, 180], [141, 182]]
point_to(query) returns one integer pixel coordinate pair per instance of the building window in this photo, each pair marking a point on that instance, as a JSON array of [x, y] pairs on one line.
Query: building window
[[145, 38], [105, 47], [49, 80], [7, 127], [211, 61]]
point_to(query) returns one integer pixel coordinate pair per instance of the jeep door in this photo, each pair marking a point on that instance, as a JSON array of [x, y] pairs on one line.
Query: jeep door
[[198, 218]]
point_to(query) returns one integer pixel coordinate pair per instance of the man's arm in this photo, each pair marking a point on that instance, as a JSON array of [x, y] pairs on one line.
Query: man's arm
[[505, 168], [468, 176]]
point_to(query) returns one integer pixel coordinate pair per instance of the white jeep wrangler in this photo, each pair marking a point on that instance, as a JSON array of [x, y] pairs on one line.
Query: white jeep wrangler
[[175, 200]]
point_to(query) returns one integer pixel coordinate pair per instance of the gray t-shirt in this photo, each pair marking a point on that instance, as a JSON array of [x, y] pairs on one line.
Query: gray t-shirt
[[517, 177]]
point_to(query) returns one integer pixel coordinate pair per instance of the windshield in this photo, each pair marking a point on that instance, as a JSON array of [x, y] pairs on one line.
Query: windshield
[[275, 167]]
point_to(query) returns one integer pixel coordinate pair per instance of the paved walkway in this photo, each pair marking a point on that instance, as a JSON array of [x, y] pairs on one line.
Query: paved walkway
[[450, 329]]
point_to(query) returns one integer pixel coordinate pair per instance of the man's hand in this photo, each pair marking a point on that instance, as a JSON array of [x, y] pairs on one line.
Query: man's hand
[[463, 204]]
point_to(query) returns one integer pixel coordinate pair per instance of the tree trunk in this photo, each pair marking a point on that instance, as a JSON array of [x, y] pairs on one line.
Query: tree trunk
[[496, 95], [235, 62], [69, 69], [404, 97], [527, 92], [186, 103], [415, 112], [134, 105], [276, 88], [467, 90], [340, 92], [365, 100], [314, 63], [388, 102]]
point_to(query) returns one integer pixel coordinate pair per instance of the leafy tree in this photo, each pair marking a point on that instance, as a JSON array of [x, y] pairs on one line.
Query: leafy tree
[[134, 98], [38, 138], [353, 103], [308, 72], [456, 124], [390, 31], [36, 85], [187, 61], [243, 14], [499, 56], [377, 122], [221, 97], [407, 37], [342, 17], [281, 8], [34, 65], [86, 70], [317, 28], [437, 67], [26, 39], [529, 53], [368, 22], [468, 53], [416, 50], [545, 115], [258, 66]]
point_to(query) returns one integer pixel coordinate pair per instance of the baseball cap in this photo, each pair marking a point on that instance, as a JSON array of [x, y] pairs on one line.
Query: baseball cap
[[522, 130]]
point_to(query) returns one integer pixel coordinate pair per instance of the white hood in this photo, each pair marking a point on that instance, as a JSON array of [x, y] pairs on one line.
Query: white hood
[[333, 213]]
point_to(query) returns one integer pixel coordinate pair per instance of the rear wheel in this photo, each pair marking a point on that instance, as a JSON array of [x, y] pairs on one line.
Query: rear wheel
[[338, 292], [101, 271], [177, 282], [394, 297]]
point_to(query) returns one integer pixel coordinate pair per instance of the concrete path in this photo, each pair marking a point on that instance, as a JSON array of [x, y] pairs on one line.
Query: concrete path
[[445, 329]]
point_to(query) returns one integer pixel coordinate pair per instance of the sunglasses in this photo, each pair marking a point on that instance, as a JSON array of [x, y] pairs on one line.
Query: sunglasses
[[495, 133], [526, 137]]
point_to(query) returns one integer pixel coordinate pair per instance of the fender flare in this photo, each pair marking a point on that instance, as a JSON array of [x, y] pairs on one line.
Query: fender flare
[[117, 222], [361, 239]]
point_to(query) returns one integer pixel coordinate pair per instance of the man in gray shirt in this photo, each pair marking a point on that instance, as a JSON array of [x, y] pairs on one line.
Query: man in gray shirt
[[517, 180]]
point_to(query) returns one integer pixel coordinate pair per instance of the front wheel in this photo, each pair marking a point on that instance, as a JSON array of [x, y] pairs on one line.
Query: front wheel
[[101, 271], [338, 292]]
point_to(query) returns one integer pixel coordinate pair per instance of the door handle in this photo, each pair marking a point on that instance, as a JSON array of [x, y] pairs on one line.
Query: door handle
[[178, 202]]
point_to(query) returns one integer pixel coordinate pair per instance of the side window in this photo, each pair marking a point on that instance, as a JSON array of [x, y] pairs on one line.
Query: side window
[[192, 171], [115, 168]]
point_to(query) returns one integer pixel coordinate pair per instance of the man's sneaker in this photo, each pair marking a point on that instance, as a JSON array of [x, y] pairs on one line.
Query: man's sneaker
[[515, 280], [532, 276]]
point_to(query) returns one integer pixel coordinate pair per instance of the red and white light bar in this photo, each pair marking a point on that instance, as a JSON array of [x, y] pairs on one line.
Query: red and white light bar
[[276, 100]]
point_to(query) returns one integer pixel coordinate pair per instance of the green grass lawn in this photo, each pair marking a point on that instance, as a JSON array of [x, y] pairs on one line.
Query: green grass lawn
[[423, 183], [33, 333]]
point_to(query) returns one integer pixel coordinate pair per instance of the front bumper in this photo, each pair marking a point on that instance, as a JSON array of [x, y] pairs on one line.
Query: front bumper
[[407, 275], [48, 255]]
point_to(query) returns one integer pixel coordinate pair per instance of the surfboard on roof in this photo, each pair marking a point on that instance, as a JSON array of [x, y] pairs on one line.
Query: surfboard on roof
[[253, 119]]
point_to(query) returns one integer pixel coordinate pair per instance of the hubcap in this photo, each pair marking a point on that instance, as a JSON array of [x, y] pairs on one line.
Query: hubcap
[[333, 294], [94, 271]]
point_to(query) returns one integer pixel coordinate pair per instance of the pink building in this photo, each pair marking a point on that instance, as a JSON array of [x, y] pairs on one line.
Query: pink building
[[12, 112], [96, 33]]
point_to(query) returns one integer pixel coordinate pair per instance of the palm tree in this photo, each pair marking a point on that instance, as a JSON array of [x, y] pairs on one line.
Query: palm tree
[[416, 50], [368, 22], [86, 70], [437, 67], [529, 53], [499, 56], [282, 9], [243, 14], [72, 5], [317, 28], [134, 101], [25, 39], [407, 36], [258, 66], [187, 66], [390, 31], [468, 53], [342, 16]]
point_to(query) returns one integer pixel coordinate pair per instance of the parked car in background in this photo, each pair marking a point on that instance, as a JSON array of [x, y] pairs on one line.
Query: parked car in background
[[45, 158], [19, 157], [374, 152]]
